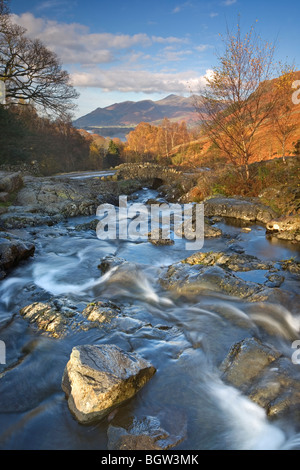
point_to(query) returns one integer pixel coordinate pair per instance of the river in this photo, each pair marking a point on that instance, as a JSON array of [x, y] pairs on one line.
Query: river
[[183, 337]]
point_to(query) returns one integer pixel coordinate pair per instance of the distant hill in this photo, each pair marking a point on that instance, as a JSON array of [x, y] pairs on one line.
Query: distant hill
[[129, 114]]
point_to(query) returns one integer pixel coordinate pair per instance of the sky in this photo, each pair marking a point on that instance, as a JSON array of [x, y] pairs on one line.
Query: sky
[[119, 50]]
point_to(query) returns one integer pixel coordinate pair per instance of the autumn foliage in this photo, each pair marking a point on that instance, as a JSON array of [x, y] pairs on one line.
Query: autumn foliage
[[150, 142]]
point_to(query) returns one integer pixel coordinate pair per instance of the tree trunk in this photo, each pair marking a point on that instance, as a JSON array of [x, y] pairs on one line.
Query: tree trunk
[[247, 171], [283, 151]]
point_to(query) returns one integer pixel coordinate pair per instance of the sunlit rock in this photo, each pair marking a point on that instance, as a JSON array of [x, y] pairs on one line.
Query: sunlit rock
[[285, 228], [99, 378]]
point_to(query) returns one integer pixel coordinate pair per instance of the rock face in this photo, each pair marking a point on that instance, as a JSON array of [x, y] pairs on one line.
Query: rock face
[[98, 378], [46, 201], [265, 376], [248, 209], [12, 252]]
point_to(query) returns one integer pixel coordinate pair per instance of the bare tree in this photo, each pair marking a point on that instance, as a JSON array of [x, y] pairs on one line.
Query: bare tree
[[283, 124], [4, 7], [31, 72], [233, 106]]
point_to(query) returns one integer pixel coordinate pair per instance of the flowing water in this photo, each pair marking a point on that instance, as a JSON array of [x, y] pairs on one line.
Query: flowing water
[[185, 338]]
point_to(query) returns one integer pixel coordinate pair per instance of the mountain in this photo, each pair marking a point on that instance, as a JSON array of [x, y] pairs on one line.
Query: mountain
[[130, 113]]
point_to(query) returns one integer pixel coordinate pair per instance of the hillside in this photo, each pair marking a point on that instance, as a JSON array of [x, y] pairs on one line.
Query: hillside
[[130, 113], [265, 145]]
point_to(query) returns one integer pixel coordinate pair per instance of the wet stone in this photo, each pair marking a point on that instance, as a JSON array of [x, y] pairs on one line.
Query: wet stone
[[266, 376], [233, 262], [99, 378]]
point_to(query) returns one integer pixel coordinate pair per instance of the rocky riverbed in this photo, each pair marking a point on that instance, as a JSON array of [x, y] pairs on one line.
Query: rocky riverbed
[[150, 345]]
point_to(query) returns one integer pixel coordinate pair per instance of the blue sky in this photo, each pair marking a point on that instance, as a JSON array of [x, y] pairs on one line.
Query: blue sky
[[121, 50]]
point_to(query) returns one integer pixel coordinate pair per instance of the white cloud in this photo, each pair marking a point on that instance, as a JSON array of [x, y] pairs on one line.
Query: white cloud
[[139, 81], [75, 44], [169, 40], [45, 5], [181, 7], [227, 3], [116, 62], [203, 47]]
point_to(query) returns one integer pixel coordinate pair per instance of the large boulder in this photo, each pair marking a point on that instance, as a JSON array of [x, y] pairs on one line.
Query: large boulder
[[12, 252], [248, 209], [99, 378]]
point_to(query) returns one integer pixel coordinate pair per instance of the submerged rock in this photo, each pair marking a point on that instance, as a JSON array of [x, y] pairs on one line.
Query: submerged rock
[[99, 378], [163, 431]]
